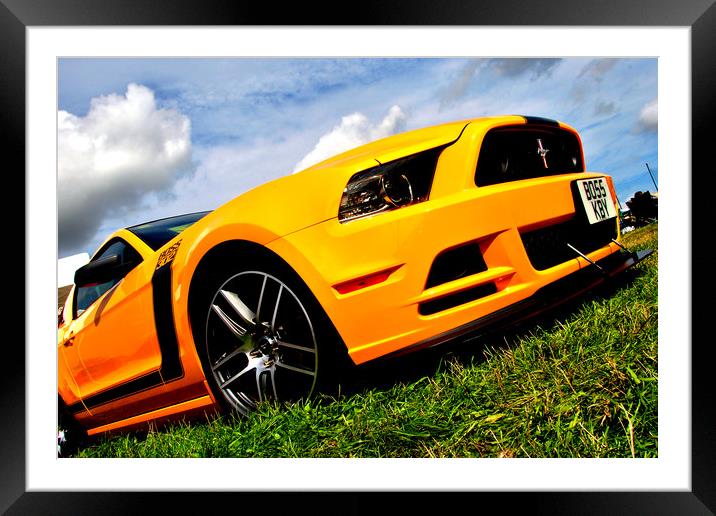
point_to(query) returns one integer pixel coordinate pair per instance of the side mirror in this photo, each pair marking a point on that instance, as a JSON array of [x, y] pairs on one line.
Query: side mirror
[[105, 269]]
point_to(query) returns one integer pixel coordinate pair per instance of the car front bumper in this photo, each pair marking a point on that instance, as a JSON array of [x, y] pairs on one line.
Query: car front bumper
[[386, 317], [550, 296]]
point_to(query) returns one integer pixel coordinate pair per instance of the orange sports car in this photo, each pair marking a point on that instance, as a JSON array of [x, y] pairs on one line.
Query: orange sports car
[[400, 244]]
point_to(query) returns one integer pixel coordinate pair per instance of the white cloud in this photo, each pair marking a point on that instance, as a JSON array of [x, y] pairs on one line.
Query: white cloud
[[604, 108], [222, 172], [109, 159], [596, 69], [496, 70], [458, 87], [649, 117], [354, 130], [590, 80], [514, 67]]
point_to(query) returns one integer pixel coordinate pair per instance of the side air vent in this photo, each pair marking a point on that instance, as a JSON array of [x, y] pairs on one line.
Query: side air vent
[[456, 263]]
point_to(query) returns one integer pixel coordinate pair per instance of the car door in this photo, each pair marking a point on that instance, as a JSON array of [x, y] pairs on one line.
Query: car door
[[111, 345], [67, 386]]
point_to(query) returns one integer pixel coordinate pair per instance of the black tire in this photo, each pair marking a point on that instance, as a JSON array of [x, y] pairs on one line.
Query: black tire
[[70, 434], [262, 335]]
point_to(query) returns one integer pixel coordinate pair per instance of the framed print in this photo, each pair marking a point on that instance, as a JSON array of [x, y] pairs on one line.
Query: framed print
[[42, 39]]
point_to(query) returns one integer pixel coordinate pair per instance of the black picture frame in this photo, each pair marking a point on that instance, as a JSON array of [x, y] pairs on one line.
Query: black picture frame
[[699, 15]]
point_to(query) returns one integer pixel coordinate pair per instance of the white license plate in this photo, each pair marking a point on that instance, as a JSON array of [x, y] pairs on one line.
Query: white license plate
[[597, 199]]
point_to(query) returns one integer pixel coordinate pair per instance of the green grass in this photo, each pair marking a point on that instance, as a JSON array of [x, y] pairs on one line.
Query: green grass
[[579, 383]]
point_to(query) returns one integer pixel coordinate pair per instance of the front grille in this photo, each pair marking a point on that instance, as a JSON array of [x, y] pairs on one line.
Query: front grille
[[547, 247], [513, 153]]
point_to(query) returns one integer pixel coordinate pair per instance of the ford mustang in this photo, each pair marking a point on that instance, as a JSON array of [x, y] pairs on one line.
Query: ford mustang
[[400, 244]]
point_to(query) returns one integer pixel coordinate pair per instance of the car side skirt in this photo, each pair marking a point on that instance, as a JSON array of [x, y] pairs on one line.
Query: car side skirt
[[184, 408]]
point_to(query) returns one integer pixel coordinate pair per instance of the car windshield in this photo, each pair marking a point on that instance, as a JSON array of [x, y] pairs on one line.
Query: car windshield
[[158, 232]]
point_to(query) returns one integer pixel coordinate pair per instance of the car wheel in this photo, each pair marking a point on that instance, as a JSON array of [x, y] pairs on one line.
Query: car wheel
[[265, 338]]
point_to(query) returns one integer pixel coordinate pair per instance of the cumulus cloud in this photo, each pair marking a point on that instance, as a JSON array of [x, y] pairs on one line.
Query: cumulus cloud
[[648, 117], [354, 130], [124, 148]]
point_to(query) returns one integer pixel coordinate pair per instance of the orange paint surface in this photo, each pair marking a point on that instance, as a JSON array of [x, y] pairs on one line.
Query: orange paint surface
[[369, 274]]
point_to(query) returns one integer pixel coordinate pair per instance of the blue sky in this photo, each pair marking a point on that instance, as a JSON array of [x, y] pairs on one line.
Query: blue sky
[[146, 138]]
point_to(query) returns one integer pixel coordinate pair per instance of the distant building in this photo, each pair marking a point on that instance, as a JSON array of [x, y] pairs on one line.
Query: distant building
[[66, 268]]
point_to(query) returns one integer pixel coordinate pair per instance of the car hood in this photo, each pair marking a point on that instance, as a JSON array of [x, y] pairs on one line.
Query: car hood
[[311, 196]]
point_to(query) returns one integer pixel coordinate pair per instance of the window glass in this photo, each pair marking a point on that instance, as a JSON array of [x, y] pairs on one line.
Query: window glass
[[88, 294], [157, 233]]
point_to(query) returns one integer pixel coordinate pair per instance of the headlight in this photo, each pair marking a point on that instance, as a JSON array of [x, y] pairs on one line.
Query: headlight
[[389, 186]]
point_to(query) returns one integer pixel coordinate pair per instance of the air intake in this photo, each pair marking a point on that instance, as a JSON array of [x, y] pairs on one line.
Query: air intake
[[458, 298], [547, 246], [456, 263]]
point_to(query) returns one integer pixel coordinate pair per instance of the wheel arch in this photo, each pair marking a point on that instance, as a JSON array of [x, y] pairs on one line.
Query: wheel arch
[[221, 256], [228, 256]]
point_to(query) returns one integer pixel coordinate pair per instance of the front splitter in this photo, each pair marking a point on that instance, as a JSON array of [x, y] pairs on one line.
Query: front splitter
[[550, 296]]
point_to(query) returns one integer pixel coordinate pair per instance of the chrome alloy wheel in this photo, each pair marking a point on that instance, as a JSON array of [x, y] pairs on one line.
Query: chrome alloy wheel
[[260, 341]]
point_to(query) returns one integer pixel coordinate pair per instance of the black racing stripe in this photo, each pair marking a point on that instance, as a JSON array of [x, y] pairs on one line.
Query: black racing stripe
[[170, 369], [121, 391], [76, 408], [539, 120]]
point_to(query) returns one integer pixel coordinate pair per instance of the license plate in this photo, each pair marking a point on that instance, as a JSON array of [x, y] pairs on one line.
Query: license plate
[[597, 199]]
